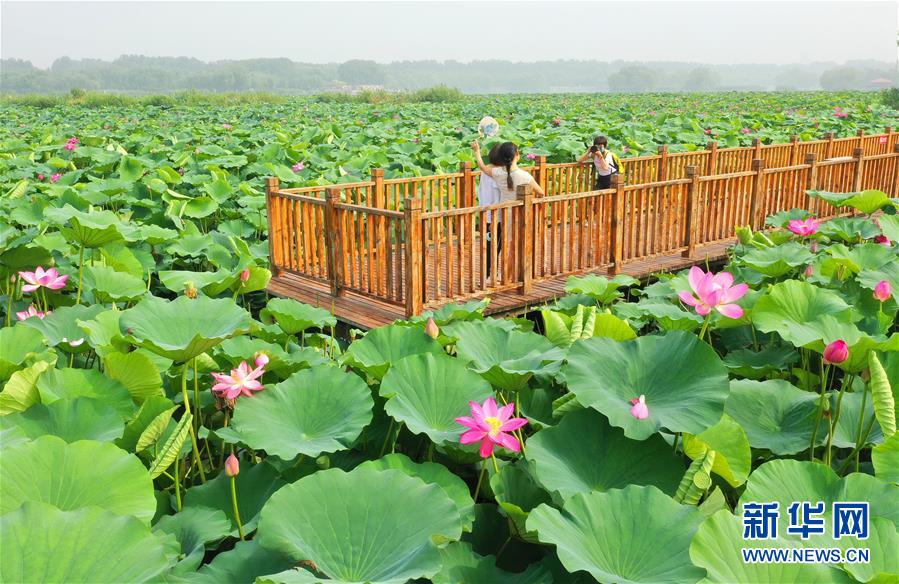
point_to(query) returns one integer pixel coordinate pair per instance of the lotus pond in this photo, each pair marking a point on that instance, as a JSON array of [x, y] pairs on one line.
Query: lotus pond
[[163, 420]]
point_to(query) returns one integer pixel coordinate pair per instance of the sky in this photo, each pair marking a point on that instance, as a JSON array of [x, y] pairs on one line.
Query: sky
[[336, 31]]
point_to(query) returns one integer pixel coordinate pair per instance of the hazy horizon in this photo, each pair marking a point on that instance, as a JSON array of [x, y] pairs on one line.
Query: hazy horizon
[[763, 33]]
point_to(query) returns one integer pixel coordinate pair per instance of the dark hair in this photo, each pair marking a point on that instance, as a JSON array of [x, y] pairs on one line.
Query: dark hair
[[600, 141], [506, 154], [493, 155]]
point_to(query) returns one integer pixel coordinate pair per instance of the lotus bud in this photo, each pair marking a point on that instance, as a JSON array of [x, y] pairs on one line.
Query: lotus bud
[[809, 271], [232, 466], [261, 360], [245, 275], [836, 352], [639, 410], [190, 291], [814, 246], [744, 234], [431, 329], [883, 291], [323, 462]]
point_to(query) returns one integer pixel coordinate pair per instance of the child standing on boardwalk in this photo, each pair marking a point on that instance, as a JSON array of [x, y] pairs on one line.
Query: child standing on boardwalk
[[606, 162]]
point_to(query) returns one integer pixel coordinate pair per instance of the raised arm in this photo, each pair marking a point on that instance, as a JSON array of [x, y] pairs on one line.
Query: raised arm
[[585, 157], [603, 164], [476, 148], [535, 186]]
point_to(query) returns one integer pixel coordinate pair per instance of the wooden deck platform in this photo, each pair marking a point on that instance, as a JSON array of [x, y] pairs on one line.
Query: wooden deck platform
[[365, 312]]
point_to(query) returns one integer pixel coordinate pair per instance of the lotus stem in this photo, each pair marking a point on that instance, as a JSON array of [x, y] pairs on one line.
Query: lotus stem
[[825, 371], [386, 438], [705, 326], [495, 465], [836, 418], [234, 502], [80, 274], [676, 438], [477, 489], [193, 431], [197, 394], [177, 484], [859, 440], [10, 291], [857, 448]]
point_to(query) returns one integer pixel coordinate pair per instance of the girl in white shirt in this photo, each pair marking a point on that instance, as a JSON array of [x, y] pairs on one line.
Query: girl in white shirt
[[602, 160]]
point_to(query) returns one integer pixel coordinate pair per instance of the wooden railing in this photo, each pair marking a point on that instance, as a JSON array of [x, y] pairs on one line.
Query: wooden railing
[[427, 250]]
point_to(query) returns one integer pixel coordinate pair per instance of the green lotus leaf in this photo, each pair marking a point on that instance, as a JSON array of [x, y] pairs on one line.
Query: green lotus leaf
[[733, 460], [472, 310], [779, 260], [210, 283], [517, 494], [108, 285], [92, 545], [461, 564], [331, 519], [89, 229], [148, 424], [864, 201], [612, 327], [379, 348], [668, 316], [61, 327], [599, 288], [66, 475], [258, 280], [295, 317], [75, 419], [431, 472], [429, 391], [254, 485], [244, 563], [794, 308], [849, 229], [136, 371], [506, 359], [882, 543], [194, 527], [889, 272], [847, 428], [17, 344], [58, 384], [613, 534], [322, 409], [885, 458], [103, 333], [756, 365], [844, 260], [775, 414], [183, 328], [583, 453], [684, 381], [717, 548], [20, 392]]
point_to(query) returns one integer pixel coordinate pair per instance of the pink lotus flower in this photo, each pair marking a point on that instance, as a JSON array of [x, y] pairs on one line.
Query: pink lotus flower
[[227, 127], [841, 114], [32, 311], [298, 166], [714, 291], [39, 277], [55, 177], [431, 329], [40, 176], [708, 131], [261, 360], [836, 352], [531, 156], [74, 342], [808, 271], [557, 121], [883, 291], [232, 466], [415, 140], [745, 131], [72, 143], [639, 409], [883, 240], [490, 425], [805, 227], [242, 381], [105, 126], [245, 275]]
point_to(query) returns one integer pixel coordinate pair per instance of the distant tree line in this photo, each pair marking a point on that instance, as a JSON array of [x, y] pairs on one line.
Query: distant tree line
[[140, 75]]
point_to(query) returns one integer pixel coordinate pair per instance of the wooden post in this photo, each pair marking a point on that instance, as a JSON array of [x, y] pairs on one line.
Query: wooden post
[[712, 167], [412, 220], [858, 141], [333, 246], [466, 194], [889, 132], [663, 163], [378, 192], [540, 172], [794, 150], [828, 148], [814, 204], [756, 204], [617, 234], [895, 192], [525, 194], [275, 260], [690, 215], [757, 145], [858, 155]]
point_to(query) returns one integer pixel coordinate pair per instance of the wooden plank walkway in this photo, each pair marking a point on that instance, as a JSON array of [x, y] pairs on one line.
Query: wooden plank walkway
[[365, 312]]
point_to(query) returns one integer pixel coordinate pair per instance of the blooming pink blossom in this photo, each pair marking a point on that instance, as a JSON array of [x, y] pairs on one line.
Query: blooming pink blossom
[[804, 227], [714, 291], [745, 131], [841, 114], [72, 143], [883, 291], [47, 278], [557, 121], [531, 156], [40, 176], [298, 166], [708, 131], [489, 426], [55, 177], [226, 126], [232, 466], [32, 311], [836, 352], [639, 409], [242, 381], [883, 240]]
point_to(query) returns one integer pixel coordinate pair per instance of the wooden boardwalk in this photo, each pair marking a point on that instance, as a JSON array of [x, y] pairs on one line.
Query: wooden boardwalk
[[381, 250]]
